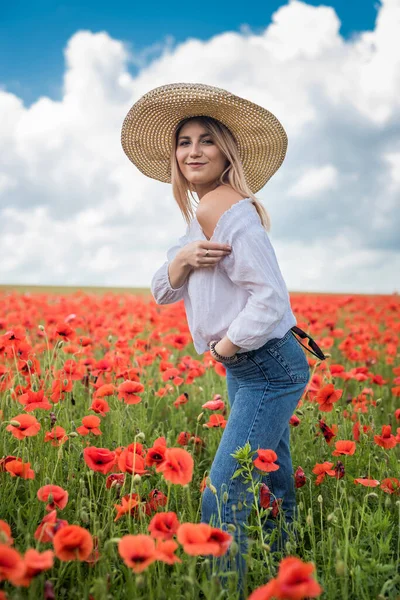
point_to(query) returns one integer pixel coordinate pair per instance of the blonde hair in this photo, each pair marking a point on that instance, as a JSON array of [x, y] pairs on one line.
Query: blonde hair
[[232, 175]]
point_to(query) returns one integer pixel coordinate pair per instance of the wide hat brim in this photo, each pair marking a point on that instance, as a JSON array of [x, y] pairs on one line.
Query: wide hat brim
[[148, 129]]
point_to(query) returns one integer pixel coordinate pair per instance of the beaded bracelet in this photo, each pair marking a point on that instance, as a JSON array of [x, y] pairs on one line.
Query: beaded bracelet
[[218, 356]]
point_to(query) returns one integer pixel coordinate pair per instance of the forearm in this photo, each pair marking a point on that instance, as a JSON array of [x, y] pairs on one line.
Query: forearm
[[225, 347], [178, 271]]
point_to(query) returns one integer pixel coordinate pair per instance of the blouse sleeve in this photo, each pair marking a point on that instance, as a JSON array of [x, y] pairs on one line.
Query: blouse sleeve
[[252, 265], [160, 285]]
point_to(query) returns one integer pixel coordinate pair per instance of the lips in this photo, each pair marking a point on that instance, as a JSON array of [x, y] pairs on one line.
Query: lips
[[195, 164]]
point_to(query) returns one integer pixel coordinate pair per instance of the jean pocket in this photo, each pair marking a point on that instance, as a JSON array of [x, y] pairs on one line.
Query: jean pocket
[[291, 358]]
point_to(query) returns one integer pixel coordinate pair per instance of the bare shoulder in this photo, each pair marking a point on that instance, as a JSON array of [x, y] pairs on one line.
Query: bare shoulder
[[213, 205], [223, 194]]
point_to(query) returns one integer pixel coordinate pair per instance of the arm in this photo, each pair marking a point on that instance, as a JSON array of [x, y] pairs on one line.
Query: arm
[[173, 272], [252, 264]]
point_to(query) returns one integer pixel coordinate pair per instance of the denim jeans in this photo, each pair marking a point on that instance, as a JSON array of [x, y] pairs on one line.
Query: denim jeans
[[264, 387]]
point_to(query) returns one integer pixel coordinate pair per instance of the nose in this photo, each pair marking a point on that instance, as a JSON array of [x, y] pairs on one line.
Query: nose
[[195, 150]]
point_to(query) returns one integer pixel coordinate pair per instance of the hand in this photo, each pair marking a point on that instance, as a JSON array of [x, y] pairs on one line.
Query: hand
[[193, 254], [226, 348]]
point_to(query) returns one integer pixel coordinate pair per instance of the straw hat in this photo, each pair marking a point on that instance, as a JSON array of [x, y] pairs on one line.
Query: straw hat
[[148, 129]]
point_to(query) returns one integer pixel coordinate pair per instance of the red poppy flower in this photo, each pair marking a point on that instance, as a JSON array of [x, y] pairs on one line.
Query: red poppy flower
[[115, 480], [48, 527], [60, 496], [100, 406], [72, 542], [33, 400], [294, 582], [12, 565], [131, 462], [344, 447], [328, 432], [182, 399], [214, 405], [391, 485], [156, 454], [90, 424], [57, 436], [130, 503], [367, 482], [202, 539], [327, 396], [164, 525], [28, 426], [216, 420], [157, 498], [265, 496], [299, 478], [128, 392], [322, 469], [35, 563], [165, 551], [265, 460], [99, 459], [386, 439], [17, 468], [177, 466], [137, 551]]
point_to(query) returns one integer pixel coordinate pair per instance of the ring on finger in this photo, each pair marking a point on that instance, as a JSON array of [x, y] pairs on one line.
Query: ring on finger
[[206, 254]]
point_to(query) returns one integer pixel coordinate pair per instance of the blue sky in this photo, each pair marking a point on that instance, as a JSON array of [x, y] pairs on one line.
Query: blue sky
[[34, 34], [75, 211]]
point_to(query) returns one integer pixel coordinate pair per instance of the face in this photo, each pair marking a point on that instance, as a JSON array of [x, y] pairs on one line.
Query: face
[[195, 145]]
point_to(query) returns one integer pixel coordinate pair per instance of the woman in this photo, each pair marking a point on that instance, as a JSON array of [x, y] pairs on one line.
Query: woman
[[224, 148]]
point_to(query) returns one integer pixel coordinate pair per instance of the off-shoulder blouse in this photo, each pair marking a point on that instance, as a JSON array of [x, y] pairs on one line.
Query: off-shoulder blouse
[[243, 297]]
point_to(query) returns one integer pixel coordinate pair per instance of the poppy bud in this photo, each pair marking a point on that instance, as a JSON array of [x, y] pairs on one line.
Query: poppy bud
[[266, 547], [73, 434], [340, 568], [231, 527], [200, 416], [213, 489], [84, 516], [225, 497], [309, 520], [15, 423], [320, 499], [233, 548], [141, 436], [372, 495], [137, 478]]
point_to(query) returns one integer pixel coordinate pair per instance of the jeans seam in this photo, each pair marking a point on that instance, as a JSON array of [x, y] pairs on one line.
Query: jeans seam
[[224, 510]]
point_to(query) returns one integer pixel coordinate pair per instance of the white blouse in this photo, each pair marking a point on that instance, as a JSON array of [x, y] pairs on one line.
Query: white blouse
[[244, 296]]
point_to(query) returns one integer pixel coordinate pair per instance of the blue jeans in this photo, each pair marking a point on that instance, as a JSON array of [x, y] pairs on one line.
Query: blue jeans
[[264, 388]]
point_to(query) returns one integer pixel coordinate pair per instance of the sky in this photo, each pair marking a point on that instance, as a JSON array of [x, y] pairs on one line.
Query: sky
[[75, 211]]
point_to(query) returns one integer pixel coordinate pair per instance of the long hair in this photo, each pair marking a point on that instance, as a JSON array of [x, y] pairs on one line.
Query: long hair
[[232, 175]]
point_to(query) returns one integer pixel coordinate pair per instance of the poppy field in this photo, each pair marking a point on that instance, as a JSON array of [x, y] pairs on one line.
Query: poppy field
[[109, 424]]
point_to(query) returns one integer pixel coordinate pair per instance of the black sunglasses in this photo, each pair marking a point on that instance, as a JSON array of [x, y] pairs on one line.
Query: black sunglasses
[[312, 343]]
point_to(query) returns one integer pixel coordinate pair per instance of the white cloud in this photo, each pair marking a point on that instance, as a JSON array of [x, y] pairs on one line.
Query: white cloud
[[315, 181], [74, 210]]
